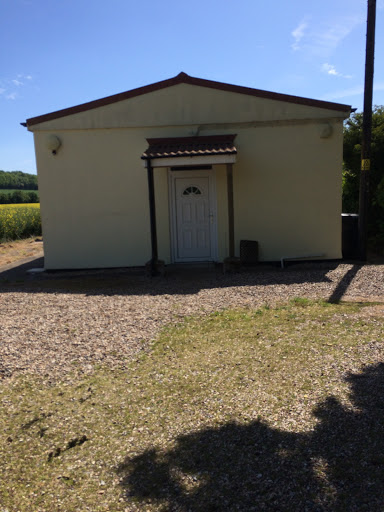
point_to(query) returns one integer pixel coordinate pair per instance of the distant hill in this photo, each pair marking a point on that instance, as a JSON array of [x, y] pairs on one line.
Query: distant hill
[[18, 180]]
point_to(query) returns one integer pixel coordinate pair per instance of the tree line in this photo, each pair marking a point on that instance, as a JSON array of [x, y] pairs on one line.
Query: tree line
[[18, 187], [18, 180], [351, 172], [19, 196]]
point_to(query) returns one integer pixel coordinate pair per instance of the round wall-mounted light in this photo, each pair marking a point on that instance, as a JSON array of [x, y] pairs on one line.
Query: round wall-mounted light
[[53, 143]]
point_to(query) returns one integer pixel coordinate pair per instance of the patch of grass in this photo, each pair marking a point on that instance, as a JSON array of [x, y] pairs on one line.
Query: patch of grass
[[221, 405], [300, 301]]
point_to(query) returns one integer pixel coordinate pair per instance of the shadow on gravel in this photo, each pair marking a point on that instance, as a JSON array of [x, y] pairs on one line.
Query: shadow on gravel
[[177, 280], [14, 273], [339, 466], [343, 284]]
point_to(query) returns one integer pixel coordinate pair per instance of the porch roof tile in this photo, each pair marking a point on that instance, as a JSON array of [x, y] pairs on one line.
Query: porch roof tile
[[190, 146]]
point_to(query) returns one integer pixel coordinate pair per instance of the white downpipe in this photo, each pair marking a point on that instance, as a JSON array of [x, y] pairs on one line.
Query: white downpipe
[[305, 257]]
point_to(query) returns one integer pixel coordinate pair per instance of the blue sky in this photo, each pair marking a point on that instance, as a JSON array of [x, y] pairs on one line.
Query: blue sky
[[60, 53]]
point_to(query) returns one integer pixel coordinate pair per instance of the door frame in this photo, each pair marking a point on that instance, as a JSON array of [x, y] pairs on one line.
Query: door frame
[[172, 176]]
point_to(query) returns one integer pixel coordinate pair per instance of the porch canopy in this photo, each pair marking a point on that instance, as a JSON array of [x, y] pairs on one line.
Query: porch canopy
[[189, 153], [210, 149]]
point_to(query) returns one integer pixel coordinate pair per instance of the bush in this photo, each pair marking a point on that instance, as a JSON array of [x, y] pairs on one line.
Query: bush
[[351, 172], [32, 197], [4, 198], [19, 196]]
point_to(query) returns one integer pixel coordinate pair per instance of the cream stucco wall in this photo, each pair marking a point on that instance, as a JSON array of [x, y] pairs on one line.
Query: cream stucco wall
[[287, 184], [185, 104], [94, 197]]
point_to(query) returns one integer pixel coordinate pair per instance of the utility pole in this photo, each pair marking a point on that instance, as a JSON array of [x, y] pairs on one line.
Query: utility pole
[[364, 199]]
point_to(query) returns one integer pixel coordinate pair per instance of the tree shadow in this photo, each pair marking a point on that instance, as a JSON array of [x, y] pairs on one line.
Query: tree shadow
[[338, 466]]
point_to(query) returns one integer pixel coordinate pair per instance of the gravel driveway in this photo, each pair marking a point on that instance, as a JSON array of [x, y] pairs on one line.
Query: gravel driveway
[[63, 323]]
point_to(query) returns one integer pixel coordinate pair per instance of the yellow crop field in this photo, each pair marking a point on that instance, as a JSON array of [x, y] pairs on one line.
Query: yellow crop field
[[19, 221], [21, 205]]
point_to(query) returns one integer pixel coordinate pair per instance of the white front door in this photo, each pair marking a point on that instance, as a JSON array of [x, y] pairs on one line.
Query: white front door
[[194, 217]]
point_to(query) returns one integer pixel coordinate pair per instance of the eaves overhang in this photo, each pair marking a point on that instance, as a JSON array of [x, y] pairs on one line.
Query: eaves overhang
[[183, 78]]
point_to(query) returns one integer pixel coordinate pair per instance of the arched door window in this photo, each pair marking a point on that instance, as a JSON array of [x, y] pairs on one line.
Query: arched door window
[[192, 191]]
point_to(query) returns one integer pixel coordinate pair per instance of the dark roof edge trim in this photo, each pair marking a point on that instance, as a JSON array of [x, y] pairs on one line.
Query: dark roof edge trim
[[183, 78]]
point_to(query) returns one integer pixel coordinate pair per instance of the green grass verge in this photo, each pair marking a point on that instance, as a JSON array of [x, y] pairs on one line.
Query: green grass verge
[[241, 410], [11, 190]]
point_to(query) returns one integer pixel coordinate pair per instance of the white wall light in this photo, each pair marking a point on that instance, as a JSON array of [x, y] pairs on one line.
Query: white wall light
[[53, 143]]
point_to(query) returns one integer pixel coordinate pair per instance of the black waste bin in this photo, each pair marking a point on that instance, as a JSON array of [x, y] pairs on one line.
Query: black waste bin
[[350, 235], [249, 252]]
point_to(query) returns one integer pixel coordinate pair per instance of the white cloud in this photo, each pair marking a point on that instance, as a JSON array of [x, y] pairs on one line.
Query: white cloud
[[344, 93], [352, 91], [331, 70], [320, 40], [9, 84], [298, 34], [26, 77]]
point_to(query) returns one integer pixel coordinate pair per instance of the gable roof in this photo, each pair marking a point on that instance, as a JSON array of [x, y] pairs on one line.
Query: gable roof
[[183, 78]]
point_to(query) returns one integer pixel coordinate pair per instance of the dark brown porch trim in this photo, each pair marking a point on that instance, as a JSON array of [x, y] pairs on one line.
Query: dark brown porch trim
[[152, 216], [231, 215]]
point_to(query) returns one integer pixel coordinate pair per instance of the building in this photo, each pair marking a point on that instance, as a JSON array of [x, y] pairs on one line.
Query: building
[[183, 170]]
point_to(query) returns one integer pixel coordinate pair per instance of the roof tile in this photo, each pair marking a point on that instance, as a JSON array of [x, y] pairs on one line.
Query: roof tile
[[190, 146]]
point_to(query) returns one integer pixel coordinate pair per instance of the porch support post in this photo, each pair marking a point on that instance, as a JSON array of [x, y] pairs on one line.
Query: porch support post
[[231, 263], [152, 216], [231, 217]]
